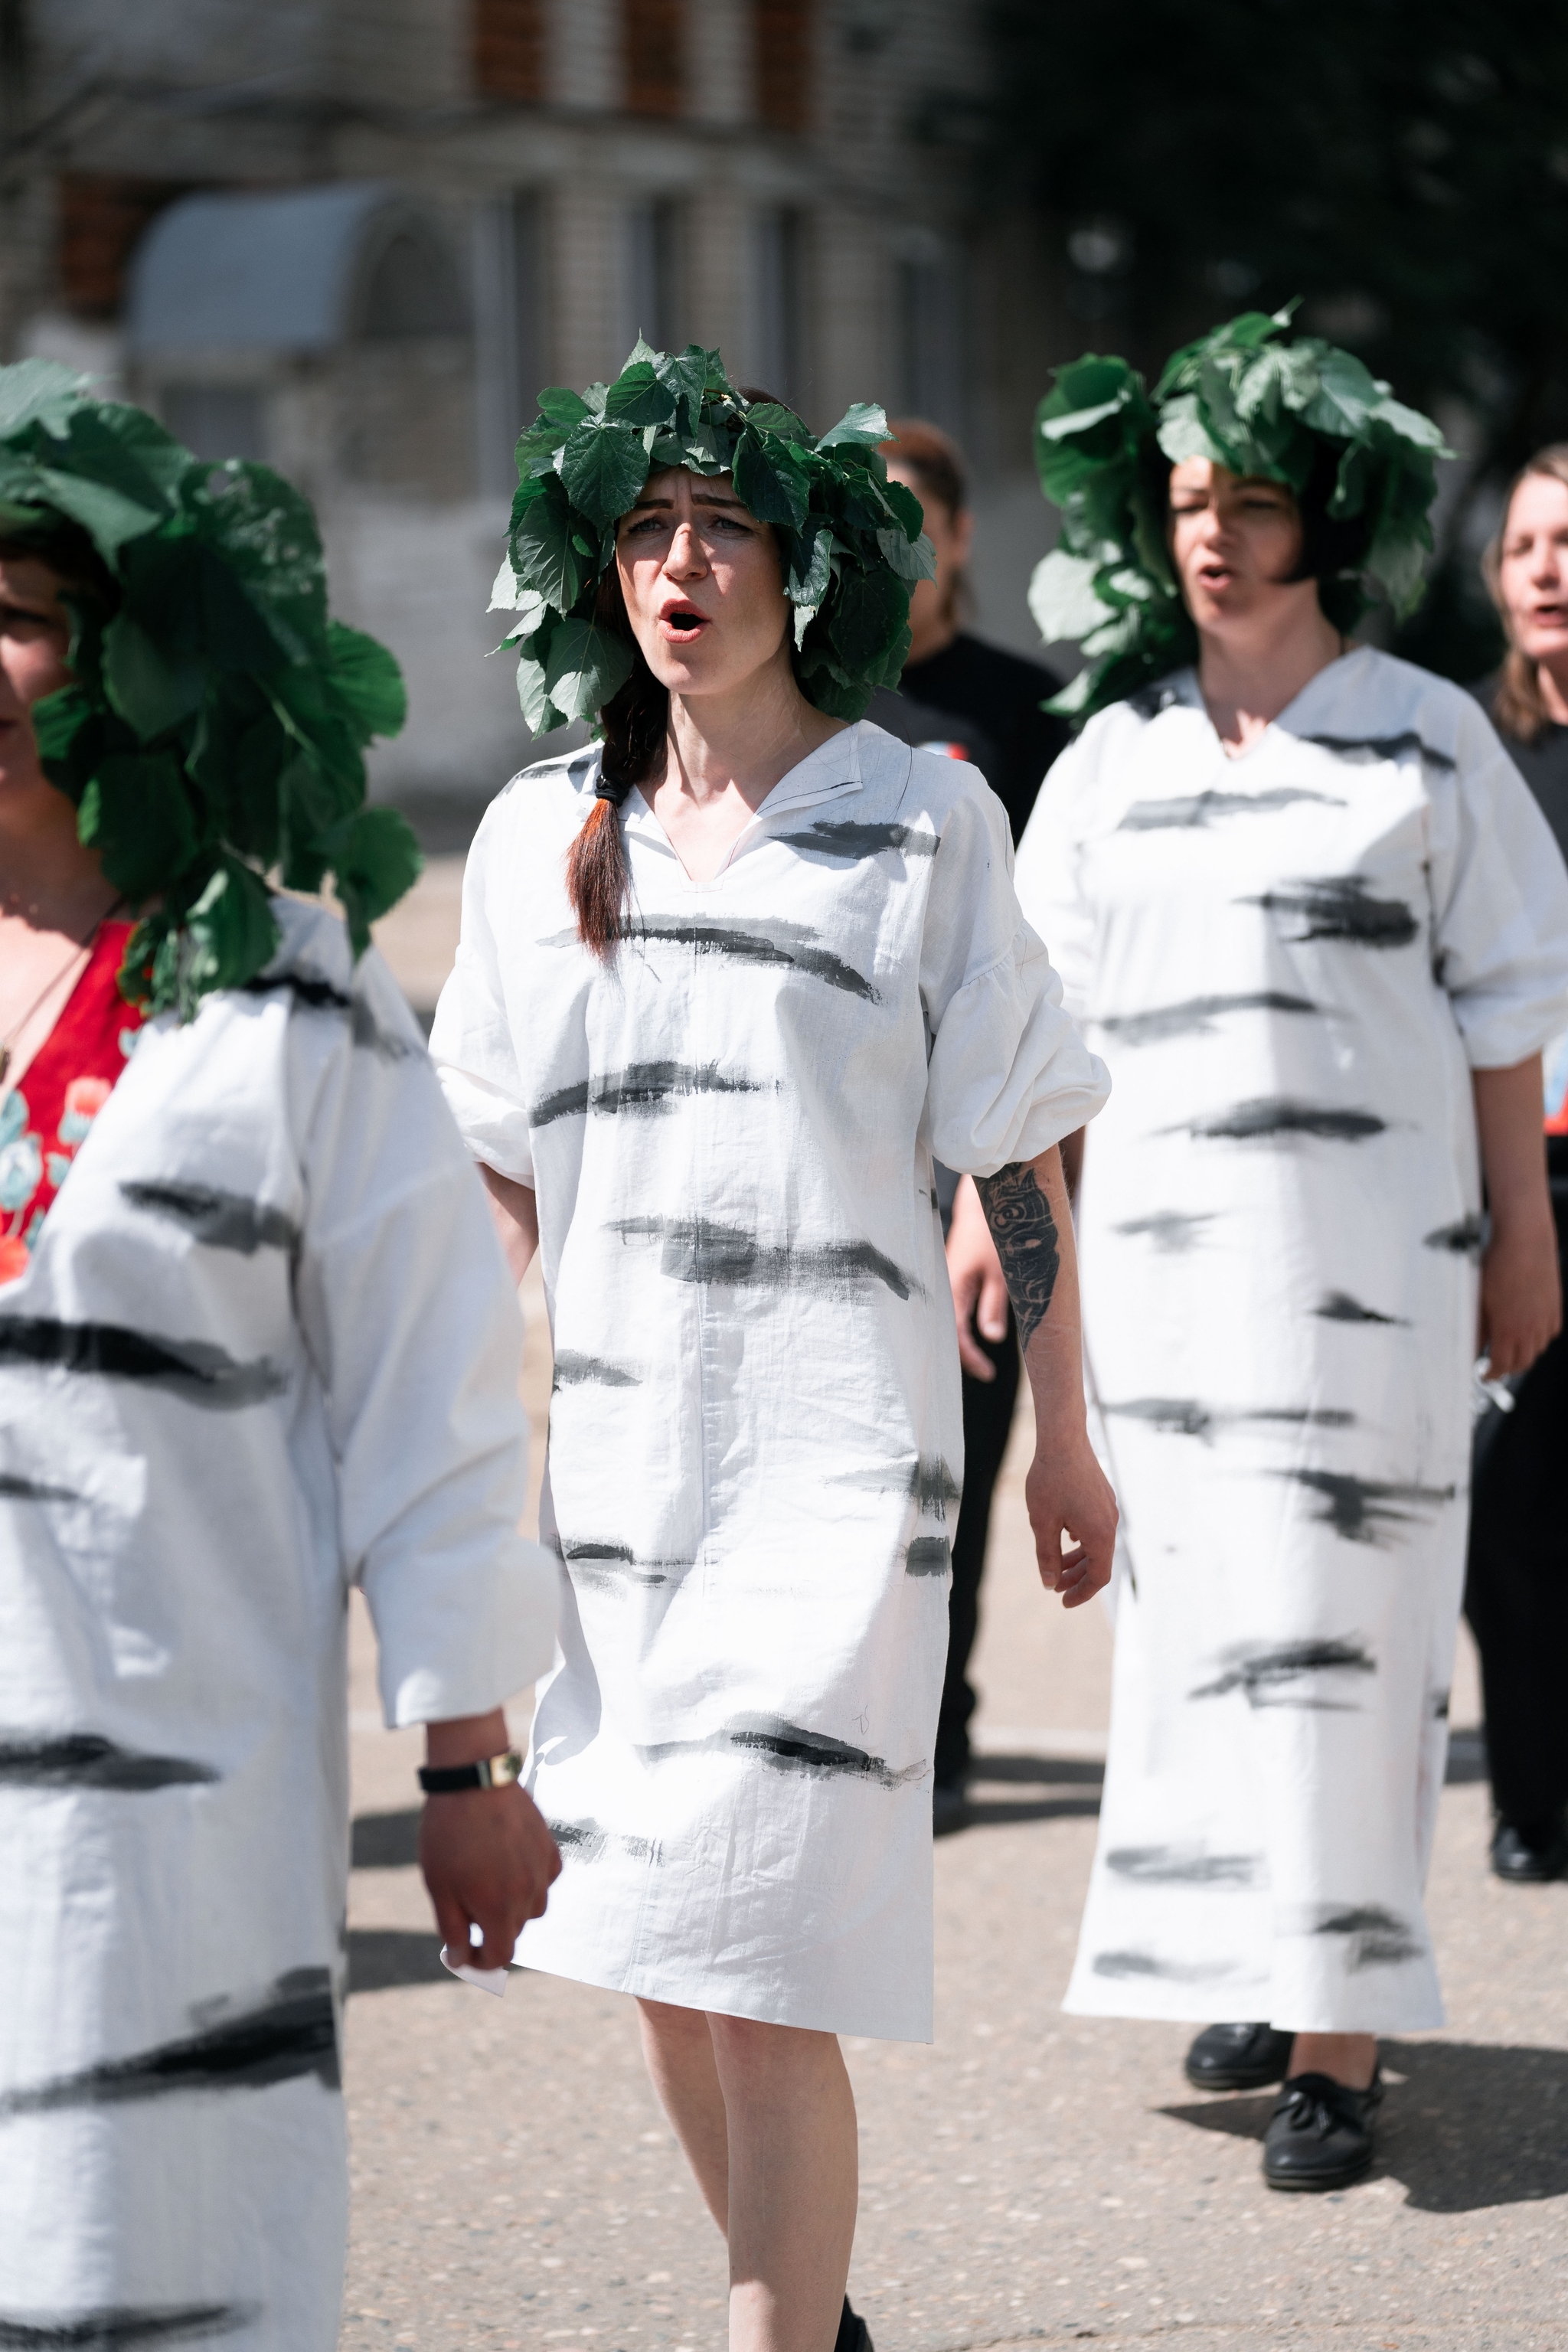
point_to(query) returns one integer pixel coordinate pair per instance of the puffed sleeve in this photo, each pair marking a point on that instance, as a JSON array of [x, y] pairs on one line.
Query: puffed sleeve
[[412, 1324], [472, 1039], [1009, 1075], [1499, 895], [1049, 857]]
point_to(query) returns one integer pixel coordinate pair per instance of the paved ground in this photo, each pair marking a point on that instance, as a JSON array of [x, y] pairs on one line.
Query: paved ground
[[1029, 2177]]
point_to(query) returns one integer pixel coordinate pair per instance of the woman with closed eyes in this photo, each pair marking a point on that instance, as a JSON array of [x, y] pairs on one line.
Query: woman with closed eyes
[[1308, 909], [727, 980]]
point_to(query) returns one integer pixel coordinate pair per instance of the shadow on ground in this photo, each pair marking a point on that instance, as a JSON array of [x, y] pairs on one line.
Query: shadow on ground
[[1021, 1772], [1468, 2127], [385, 1841], [382, 1957]]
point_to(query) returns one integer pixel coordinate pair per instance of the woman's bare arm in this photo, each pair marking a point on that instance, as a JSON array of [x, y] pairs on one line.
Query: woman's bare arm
[[516, 1214], [1522, 1287], [1025, 1206]]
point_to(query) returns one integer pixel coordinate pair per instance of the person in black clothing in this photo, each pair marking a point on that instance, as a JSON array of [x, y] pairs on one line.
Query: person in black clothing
[[984, 704], [1516, 1591]]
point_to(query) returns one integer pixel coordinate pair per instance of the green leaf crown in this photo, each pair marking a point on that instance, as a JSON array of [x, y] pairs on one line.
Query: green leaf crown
[[1104, 448], [217, 725], [852, 542]]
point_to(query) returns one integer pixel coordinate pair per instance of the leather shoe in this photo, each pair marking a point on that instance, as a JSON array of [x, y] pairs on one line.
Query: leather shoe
[[1319, 2135], [1239, 2058], [1532, 1857], [854, 2335]]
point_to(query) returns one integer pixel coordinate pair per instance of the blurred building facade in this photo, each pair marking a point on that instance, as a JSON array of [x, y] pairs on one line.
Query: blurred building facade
[[351, 237]]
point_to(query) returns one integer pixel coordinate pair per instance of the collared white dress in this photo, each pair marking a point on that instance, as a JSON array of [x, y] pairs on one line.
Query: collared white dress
[[265, 1348], [1292, 961], [755, 1438]]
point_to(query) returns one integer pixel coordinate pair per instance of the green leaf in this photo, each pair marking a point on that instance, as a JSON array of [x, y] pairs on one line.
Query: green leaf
[[865, 423], [907, 507], [1062, 597], [603, 467], [375, 858], [39, 392], [545, 554], [539, 714], [108, 516], [770, 481], [231, 934], [368, 680], [686, 375], [810, 586], [1182, 434], [148, 692], [773, 416], [563, 406], [866, 614], [136, 814], [639, 397], [587, 665], [911, 563]]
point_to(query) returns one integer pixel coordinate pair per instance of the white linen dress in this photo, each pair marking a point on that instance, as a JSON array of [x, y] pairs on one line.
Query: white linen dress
[[755, 1438], [265, 1348], [1292, 961]]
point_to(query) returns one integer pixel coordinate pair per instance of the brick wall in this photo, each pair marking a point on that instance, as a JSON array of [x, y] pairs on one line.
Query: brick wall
[[508, 41], [781, 33], [652, 42]]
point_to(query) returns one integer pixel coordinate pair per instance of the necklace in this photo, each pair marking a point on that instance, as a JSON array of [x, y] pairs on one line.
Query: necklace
[[82, 948]]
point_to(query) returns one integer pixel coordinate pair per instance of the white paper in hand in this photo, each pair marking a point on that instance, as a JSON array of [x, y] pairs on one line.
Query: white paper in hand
[[488, 1980]]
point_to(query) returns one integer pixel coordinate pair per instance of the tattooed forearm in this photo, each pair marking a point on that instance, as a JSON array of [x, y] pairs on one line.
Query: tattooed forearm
[[1024, 1233]]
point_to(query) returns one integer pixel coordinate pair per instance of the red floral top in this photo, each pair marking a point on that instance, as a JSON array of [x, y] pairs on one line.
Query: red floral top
[[44, 1120]]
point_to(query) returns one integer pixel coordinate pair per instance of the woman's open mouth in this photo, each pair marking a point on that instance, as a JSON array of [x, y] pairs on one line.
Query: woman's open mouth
[[683, 623]]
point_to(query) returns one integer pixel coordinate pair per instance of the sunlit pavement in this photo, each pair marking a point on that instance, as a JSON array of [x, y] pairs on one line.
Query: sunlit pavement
[[1029, 2177]]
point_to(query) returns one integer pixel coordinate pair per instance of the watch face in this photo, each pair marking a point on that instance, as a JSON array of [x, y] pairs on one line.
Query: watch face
[[505, 1770]]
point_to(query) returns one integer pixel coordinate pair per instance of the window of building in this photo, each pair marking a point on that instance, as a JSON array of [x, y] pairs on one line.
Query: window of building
[[216, 420], [508, 38], [652, 54], [652, 301], [778, 271], [781, 55], [930, 336], [510, 279]]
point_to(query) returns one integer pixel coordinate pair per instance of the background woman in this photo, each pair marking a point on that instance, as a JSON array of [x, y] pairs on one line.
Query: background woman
[[1516, 1589], [253, 1347], [1298, 889], [724, 987]]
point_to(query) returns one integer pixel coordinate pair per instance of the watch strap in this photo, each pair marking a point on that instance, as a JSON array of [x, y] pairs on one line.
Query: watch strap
[[489, 1772]]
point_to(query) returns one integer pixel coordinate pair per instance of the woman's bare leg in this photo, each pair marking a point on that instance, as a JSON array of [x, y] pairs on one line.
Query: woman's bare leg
[[1347, 2058], [793, 2183], [678, 2049]]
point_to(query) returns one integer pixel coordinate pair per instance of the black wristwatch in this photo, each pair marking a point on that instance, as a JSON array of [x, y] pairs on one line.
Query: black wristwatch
[[490, 1772]]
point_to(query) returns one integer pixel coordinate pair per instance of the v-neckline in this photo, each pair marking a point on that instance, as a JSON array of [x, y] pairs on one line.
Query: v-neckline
[[1239, 759]]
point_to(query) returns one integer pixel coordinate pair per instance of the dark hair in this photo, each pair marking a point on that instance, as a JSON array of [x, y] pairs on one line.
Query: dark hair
[[636, 722], [932, 458], [1518, 707], [68, 552]]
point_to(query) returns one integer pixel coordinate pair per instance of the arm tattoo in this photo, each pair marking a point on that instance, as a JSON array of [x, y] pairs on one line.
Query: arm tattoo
[[1024, 1233]]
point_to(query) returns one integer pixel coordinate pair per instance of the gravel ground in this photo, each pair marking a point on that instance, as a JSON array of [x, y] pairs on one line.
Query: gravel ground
[[1030, 2177]]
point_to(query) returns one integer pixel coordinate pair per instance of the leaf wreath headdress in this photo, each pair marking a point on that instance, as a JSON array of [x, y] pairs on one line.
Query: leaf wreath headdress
[[852, 541], [1303, 413], [217, 720]]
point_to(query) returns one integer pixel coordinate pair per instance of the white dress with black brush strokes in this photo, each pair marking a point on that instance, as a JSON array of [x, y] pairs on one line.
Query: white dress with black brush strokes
[[265, 1347], [755, 1437], [1291, 961]]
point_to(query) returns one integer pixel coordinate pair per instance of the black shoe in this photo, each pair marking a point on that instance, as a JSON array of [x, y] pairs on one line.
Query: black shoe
[[1319, 2135], [854, 2335], [1531, 1857], [1239, 2058], [949, 1807]]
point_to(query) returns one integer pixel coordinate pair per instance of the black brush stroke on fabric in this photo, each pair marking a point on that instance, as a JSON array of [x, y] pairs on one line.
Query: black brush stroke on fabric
[[1264, 1671], [611, 1564], [1466, 1238], [15, 1488], [1341, 907], [589, 1841], [1267, 1116], [1176, 1865], [222, 1219], [84, 1760], [1382, 746], [1440, 1705], [779, 945], [928, 1556], [1359, 1509], [289, 2033], [649, 1089], [1174, 1231], [1147, 1964], [847, 839], [192, 1370], [576, 1371], [318, 994], [1198, 1015], [1027, 1243], [1379, 1939], [695, 1249], [122, 2327], [927, 1481], [788, 1747], [1185, 1417], [1190, 810], [1339, 1306]]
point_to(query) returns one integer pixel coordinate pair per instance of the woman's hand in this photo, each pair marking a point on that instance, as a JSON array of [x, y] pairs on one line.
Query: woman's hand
[[486, 1858], [1066, 1492], [1521, 1287], [975, 1274]]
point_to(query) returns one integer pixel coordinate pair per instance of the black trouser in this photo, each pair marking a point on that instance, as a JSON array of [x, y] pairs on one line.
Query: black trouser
[[987, 1418], [1516, 1586]]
